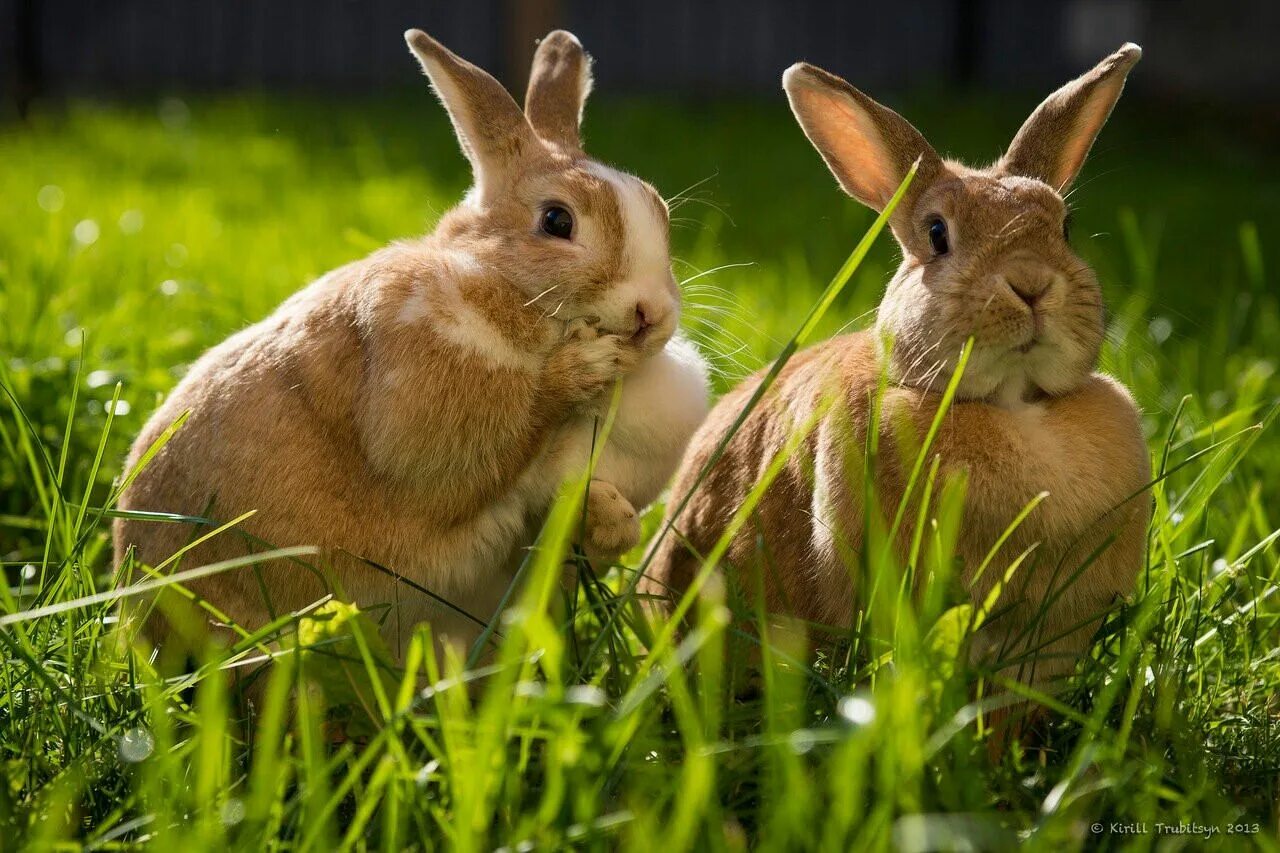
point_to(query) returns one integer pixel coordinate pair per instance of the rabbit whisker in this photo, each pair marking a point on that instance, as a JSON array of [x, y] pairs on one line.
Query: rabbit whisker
[[693, 186], [710, 204], [720, 268], [540, 295], [556, 312]]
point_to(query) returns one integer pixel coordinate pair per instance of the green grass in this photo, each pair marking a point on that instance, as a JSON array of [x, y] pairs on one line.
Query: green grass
[[204, 216]]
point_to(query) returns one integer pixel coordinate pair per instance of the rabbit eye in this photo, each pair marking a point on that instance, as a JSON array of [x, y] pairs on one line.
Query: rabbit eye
[[938, 236], [1066, 227], [557, 222]]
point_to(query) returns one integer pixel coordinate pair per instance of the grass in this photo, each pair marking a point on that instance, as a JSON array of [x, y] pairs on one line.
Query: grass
[[138, 235]]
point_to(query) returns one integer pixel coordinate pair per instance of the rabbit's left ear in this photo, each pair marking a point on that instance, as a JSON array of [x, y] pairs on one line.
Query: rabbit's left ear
[[1054, 141], [491, 130], [867, 146], [559, 83]]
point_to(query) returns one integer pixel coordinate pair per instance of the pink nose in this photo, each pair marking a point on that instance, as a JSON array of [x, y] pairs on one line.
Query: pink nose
[[644, 316]]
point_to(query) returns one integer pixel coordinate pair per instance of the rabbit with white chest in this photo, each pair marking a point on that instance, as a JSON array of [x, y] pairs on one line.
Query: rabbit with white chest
[[986, 257], [420, 408]]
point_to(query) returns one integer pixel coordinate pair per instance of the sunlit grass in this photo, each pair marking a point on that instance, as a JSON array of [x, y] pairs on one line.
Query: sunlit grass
[[137, 237]]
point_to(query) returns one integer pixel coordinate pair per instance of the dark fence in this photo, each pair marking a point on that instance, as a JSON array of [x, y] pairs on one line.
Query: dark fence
[[1205, 48]]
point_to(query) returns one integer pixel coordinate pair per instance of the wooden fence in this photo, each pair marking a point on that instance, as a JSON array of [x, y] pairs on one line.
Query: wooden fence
[[1205, 47]]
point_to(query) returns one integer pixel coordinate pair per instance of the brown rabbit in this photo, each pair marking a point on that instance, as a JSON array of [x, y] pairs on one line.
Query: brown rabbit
[[420, 408], [985, 254]]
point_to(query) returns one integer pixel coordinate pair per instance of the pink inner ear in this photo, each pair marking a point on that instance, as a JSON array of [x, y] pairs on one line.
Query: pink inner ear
[[851, 144], [1088, 124]]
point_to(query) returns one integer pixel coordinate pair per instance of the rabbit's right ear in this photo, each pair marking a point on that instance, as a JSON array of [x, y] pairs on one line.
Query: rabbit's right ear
[[867, 146], [491, 129], [559, 83], [1053, 143]]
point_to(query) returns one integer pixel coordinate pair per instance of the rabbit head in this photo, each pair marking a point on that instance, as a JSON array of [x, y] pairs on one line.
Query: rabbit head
[[575, 236], [985, 252]]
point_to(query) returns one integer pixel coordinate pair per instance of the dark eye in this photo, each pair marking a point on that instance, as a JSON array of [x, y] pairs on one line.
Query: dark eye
[[938, 236], [1066, 226], [557, 222]]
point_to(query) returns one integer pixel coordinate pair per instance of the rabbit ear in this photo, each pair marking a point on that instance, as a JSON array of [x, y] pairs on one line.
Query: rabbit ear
[[491, 129], [867, 146], [1054, 141], [559, 83]]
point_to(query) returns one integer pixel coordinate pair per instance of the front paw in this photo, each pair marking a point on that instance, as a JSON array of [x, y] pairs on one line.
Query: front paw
[[588, 360], [613, 525]]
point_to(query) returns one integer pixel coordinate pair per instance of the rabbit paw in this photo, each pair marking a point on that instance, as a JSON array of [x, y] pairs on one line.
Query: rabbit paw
[[585, 328], [588, 360], [613, 525]]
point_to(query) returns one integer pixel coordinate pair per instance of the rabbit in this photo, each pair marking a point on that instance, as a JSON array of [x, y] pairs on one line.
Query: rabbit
[[985, 253], [420, 408]]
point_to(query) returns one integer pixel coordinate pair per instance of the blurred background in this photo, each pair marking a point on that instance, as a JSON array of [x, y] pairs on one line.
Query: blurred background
[[1196, 49]]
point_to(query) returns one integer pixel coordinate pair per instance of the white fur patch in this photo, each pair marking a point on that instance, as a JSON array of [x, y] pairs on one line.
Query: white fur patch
[[464, 326], [647, 260], [443, 304], [459, 263], [645, 232], [415, 308], [822, 503]]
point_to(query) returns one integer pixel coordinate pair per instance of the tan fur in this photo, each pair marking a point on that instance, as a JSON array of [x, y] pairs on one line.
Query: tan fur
[[419, 409], [1024, 422]]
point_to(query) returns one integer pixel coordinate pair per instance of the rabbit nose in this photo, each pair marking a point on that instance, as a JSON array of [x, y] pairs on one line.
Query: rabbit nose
[[649, 314], [1029, 291]]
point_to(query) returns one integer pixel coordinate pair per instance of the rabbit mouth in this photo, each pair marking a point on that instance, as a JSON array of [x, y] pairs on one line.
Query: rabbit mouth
[[1035, 335], [653, 335], [651, 339]]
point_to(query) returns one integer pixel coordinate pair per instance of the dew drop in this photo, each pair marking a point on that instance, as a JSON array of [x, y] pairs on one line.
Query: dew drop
[[1160, 329], [427, 772], [86, 232], [857, 710], [801, 741], [585, 694], [131, 221], [169, 287], [233, 811], [98, 378], [136, 745], [50, 198]]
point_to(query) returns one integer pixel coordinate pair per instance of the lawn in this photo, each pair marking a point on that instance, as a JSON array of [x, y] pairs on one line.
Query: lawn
[[135, 236]]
